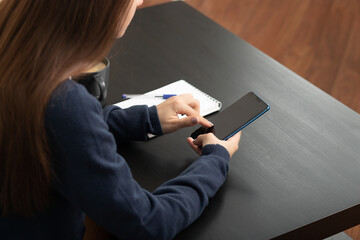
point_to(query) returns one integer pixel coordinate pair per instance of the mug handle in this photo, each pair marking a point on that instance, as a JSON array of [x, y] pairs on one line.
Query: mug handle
[[100, 81]]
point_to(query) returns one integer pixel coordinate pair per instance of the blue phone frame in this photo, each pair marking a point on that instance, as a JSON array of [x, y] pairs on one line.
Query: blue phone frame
[[250, 121]]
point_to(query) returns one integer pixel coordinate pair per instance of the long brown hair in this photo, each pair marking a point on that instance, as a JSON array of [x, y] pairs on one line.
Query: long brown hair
[[42, 43]]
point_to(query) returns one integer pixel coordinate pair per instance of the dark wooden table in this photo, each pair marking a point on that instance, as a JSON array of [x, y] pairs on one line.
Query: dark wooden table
[[297, 172]]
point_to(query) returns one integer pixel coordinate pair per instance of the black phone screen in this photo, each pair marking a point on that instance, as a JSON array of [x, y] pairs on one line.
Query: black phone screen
[[235, 117]]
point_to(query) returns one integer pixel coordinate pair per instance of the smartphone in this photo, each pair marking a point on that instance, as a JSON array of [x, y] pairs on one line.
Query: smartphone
[[234, 118]]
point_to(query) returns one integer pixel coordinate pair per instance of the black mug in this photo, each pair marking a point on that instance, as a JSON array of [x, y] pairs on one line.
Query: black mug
[[96, 80]]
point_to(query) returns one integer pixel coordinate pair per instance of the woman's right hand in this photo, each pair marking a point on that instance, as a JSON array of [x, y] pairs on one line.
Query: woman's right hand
[[231, 145]]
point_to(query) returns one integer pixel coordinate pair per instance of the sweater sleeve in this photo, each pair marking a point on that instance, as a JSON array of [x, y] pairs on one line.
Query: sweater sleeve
[[133, 123], [93, 177]]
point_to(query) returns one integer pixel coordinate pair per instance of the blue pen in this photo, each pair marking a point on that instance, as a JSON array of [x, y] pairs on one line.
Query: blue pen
[[163, 96]]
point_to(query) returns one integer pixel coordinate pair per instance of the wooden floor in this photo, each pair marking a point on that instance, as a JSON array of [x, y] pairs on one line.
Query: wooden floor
[[317, 39]]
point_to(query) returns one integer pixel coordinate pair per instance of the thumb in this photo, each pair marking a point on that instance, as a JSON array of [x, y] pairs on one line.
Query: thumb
[[189, 121]]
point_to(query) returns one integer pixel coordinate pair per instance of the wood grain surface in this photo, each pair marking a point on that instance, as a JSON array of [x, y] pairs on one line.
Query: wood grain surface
[[317, 39]]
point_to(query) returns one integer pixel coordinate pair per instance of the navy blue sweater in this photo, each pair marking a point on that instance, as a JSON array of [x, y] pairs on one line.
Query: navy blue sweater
[[93, 179]]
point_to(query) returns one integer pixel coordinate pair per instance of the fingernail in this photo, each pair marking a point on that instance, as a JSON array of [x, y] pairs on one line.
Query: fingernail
[[194, 121], [211, 123]]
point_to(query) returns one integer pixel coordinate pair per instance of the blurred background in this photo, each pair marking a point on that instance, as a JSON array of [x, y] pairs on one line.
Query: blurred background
[[317, 39]]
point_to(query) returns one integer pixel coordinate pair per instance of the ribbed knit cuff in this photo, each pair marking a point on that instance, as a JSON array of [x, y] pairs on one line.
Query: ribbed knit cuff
[[216, 149], [155, 122]]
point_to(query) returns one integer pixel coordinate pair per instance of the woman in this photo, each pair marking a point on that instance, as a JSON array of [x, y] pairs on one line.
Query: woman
[[58, 146]]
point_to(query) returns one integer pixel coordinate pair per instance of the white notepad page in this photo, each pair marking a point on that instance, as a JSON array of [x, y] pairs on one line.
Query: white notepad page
[[207, 103]]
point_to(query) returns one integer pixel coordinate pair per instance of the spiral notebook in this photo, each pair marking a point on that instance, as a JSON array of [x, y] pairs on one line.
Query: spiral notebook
[[207, 103]]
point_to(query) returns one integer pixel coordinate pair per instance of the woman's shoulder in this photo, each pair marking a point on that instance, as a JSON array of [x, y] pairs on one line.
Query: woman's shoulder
[[71, 100], [71, 94]]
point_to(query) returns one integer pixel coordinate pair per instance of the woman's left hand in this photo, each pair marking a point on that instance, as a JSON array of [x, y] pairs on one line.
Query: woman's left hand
[[184, 104]]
